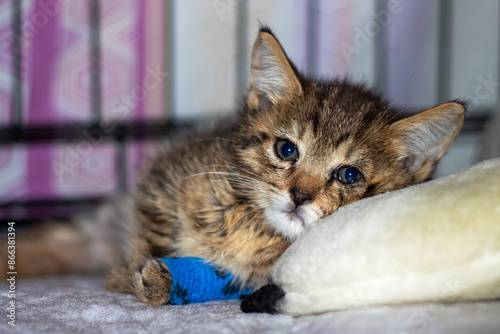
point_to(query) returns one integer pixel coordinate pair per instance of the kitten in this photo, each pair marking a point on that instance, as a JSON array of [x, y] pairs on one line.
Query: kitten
[[301, 150]]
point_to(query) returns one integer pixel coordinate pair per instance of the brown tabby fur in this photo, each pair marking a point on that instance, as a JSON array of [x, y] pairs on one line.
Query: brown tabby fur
[[227, 199]]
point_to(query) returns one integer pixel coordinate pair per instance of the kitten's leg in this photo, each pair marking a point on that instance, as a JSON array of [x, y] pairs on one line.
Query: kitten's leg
[[150, 278], [150, 237], [120, 278], [152, 282], [147, 278], [141, 274]]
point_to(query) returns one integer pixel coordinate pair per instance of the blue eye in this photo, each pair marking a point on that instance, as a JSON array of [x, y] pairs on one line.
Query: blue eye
[[286, 150], [347, 174]]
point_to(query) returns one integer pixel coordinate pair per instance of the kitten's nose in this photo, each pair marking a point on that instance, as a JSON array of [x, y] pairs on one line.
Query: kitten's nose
[[299, 197]]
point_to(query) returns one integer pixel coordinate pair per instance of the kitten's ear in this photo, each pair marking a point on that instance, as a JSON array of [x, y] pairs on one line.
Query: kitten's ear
[[273, 76], [423, 138]]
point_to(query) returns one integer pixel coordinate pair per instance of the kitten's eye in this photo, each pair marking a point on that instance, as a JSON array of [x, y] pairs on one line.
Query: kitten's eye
[[286, 150], [347, 174]]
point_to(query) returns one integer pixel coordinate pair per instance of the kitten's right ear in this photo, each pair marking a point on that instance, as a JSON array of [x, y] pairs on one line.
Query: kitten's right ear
[[422, 139], [273, 77]]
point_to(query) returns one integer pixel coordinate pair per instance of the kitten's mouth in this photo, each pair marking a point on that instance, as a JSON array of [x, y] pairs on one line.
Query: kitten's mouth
[[295, 216], [287, 219]]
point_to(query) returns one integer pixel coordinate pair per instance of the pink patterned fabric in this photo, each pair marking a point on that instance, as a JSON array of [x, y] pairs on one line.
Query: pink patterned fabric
[[5, 61], [56, 90]]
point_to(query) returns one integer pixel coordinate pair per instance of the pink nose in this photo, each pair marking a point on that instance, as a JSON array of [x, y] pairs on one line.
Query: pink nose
[[299, 197]]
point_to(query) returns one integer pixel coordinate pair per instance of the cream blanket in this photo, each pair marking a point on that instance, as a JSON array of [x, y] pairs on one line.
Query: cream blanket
[[438, 241]]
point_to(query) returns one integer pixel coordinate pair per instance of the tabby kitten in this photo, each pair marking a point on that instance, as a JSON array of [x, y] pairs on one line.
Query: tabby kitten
[[301, 150]]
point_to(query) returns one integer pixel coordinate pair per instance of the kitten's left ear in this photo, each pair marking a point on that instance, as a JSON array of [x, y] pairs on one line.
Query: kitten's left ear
[[423, 138], [273, 76]]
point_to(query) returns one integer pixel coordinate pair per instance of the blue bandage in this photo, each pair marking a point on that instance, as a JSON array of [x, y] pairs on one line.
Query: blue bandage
[[196, 281]]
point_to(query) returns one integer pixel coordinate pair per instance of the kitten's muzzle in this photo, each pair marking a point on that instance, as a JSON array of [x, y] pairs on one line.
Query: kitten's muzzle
[[300, 197]]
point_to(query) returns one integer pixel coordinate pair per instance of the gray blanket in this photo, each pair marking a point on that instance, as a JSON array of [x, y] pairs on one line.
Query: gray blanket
[[80, 304]]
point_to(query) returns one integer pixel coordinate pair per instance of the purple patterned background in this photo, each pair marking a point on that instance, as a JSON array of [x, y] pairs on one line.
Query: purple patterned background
[[56, 90]]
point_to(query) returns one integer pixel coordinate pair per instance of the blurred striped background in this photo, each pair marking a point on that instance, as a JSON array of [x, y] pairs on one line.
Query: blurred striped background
[[86, 86]]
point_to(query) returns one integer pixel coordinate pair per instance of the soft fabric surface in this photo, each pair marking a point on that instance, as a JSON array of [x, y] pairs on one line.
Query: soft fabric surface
[[79, 304], [438, 241]]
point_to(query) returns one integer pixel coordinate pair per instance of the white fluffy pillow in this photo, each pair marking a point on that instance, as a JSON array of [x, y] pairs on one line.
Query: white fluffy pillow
[[438, 241]]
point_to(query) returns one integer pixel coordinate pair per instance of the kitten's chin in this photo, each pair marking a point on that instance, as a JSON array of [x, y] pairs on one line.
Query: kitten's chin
[[289, 223]]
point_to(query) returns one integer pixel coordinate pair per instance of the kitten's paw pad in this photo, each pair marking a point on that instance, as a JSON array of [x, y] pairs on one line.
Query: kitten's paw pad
[[152, 282]]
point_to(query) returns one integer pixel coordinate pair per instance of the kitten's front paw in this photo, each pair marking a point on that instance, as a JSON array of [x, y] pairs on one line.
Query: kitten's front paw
[[152, 282]]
